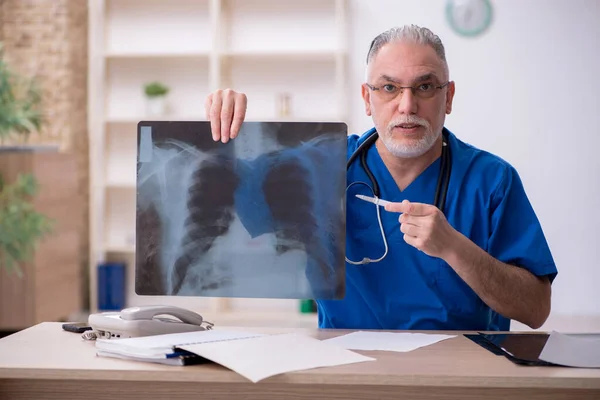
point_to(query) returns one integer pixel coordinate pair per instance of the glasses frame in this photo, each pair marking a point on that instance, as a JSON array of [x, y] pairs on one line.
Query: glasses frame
[[412, 88]]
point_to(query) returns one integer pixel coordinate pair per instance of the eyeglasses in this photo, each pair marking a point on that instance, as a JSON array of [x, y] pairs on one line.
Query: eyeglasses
[[389, 91]]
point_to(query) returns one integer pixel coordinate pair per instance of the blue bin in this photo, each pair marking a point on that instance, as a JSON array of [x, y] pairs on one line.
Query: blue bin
[[111, 287]]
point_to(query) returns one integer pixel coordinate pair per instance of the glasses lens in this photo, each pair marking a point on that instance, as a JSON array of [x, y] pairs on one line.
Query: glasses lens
[[426, 91]]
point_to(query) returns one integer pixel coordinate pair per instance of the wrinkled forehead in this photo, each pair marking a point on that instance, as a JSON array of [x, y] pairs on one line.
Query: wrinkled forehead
[[406, 62]]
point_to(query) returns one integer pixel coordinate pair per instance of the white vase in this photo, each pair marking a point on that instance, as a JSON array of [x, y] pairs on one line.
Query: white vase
[[156, 106]]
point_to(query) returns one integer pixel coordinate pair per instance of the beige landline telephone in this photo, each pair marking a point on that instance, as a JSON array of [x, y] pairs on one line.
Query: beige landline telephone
[[145, 321]]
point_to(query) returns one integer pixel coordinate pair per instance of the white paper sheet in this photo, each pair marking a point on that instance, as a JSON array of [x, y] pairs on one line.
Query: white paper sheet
[[571, 351], [387, 341], [262, 357]]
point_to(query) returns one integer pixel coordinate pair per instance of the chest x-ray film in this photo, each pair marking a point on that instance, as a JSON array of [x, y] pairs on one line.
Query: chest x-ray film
[[260, 216]]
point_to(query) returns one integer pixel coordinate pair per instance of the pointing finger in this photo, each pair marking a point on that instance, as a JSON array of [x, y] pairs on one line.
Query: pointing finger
[[416, 209], [396, 207]]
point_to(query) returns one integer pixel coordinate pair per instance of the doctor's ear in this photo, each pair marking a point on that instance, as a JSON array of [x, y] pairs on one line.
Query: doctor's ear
[[367, 98], [450, 97]]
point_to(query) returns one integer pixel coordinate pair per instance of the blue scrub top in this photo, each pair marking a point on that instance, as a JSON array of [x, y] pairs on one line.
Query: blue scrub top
[[408, 289]]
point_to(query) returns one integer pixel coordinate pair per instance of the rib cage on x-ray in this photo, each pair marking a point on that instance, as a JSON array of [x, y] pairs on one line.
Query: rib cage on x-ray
[[196, 198], [162, 191], [210, 207], [286, 189], [302, 214]]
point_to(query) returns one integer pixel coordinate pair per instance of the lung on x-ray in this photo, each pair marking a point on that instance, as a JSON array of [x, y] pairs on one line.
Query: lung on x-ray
[[260, 216]]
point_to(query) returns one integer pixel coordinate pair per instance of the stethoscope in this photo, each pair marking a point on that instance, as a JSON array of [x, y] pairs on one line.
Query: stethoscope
[[441, 189]]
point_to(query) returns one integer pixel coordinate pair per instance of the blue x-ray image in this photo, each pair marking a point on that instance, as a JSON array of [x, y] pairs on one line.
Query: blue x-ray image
[[260, 216]]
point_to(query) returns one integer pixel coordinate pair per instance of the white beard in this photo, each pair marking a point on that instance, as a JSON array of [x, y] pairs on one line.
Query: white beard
[[414, 149]]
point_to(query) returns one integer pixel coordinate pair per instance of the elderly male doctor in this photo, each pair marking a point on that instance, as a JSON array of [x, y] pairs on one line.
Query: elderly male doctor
[[471, 256]]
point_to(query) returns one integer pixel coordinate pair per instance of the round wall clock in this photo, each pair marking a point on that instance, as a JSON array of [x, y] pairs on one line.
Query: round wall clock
[[469, 17]]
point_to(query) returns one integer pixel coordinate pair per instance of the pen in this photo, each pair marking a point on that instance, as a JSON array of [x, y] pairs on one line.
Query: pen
[[373, 200]]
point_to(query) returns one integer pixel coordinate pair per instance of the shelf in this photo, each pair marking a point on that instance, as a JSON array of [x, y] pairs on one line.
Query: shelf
[[274, 26], [121, 185], [141, 55], [188, 83], [264, 48], [285, 54], [124, 119], [315, 118], [123, 249], [312, 91], [157, 26], [249, 117]]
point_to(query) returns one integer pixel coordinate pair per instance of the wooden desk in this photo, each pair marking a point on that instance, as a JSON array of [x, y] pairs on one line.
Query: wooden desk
[[44, 362]]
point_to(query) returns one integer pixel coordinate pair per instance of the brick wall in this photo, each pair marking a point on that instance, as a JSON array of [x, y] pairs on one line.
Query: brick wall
[[47, 39]]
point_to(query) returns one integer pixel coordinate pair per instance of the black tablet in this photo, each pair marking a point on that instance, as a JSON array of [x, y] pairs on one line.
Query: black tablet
[[520, 348]]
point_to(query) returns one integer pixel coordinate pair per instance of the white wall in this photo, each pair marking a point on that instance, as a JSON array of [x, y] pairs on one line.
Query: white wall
[[528, 91]]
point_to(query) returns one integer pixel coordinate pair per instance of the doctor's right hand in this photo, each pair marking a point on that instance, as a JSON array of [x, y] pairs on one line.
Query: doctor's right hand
[[226, 110]]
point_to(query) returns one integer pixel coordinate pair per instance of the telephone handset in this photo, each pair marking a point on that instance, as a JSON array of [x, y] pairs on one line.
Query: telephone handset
[[145, 321], [186, 316]]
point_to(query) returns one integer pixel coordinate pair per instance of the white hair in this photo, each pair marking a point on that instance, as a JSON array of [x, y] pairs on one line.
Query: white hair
[[412, 33]]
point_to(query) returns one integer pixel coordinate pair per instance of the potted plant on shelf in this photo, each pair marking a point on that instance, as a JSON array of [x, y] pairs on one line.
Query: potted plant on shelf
[[21, 226], [156, 96]]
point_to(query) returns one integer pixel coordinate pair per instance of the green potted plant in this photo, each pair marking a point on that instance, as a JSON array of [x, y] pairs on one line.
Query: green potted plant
[[20, 105], [21, 226], [156, 96]]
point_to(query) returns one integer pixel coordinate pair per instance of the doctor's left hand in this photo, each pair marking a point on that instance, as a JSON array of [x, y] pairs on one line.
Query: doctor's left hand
[[425, 227]]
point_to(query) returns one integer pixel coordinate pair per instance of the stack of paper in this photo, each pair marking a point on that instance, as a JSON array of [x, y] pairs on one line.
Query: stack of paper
[[254, 356], [164, 349]]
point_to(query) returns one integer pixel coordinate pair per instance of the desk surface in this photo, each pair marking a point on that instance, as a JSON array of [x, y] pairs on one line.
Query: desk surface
[[47, 353]]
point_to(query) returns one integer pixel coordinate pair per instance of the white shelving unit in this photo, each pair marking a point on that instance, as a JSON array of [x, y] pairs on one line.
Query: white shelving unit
[[261, 47]]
